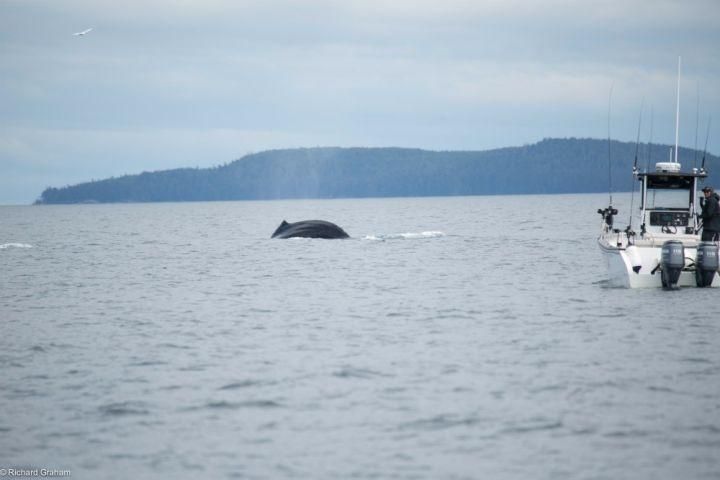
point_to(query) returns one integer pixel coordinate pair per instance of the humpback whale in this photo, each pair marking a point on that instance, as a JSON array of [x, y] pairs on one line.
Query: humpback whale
[[309, 229]]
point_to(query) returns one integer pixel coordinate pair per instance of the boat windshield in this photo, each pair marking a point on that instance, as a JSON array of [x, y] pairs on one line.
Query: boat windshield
[[667, 199]]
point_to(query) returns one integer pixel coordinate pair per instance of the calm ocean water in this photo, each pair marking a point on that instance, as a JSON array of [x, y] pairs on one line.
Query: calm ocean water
[[450, 338]]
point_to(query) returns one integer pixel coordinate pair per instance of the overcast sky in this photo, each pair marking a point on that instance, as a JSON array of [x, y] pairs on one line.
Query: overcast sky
[[161, 84]]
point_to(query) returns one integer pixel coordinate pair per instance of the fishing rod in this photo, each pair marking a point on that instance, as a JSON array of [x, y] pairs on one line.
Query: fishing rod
[[707, 135], [649, 152], [677, 115], [702, 169], [637, 141], [635, 170], [697, 124], [609, 156], [609, 213]]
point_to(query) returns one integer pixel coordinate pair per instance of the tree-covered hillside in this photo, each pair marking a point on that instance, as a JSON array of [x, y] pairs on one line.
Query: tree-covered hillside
[[550, 166]]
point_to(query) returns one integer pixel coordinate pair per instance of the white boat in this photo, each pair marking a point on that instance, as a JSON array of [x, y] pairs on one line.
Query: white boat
[[667, 251]]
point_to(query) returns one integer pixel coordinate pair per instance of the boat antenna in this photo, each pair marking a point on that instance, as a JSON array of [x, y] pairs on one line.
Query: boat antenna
[[609, 156], [635, 168], [697, 124], [677, 114], [707, 135]]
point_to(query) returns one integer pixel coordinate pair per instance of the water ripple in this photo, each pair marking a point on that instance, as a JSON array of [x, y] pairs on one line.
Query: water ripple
[[533, 426], [224, 404], [354, 372], [119, 409], [240, 384], [441, 422]]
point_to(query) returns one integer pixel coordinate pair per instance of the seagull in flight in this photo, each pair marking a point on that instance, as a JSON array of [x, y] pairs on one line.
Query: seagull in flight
[[84, 32]]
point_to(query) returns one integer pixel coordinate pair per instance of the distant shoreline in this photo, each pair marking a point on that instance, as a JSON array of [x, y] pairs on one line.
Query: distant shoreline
[[551, 166]]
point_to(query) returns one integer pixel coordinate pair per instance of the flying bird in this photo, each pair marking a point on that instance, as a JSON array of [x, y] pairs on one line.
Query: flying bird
[[84, 32]]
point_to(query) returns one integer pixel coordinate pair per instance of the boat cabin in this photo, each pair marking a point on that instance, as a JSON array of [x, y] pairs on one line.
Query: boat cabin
[[668, 199]]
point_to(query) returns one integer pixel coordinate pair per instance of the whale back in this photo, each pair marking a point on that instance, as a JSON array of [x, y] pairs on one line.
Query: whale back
[[309, 229]]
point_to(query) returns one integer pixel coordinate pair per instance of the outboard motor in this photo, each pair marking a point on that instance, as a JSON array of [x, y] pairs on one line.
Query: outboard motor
[[672, 261], [706, 264]]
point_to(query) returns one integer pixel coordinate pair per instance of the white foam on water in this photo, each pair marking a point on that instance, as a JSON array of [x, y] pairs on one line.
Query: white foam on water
[[14, 245], [405, 236], [429, 234]]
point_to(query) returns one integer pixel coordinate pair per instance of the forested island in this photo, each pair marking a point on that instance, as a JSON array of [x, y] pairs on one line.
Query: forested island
[[550, 166]]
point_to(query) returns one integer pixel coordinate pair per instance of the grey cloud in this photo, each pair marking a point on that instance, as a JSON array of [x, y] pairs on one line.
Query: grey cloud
[[446, 75]]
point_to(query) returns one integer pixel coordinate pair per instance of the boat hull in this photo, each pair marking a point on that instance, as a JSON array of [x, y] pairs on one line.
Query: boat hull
[[620, 262]]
